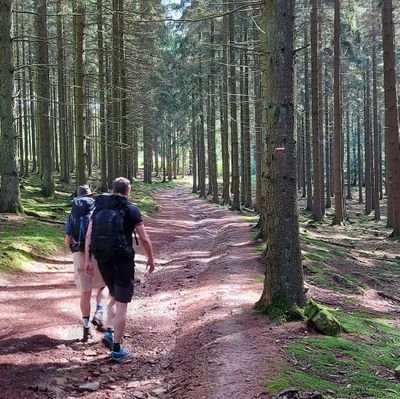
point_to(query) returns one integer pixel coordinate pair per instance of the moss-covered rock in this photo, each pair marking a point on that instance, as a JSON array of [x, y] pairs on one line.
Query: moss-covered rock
[[311, 309], [323, 320]]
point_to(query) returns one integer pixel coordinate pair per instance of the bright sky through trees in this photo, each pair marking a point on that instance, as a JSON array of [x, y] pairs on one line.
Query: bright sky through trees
[[171, 7]]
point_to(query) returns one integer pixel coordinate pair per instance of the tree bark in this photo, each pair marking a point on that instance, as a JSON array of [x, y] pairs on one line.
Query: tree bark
[[377, 209], [284, 273], [308, 162], [338, 140], [102, 97], [62, 98], [368, 145], [315, 83], [233, 107], [212, 150], [45, 130], [9, 185], [391, 116], [224, 114]]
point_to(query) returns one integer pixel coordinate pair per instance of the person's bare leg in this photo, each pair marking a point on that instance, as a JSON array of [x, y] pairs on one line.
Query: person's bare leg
[[98, 314], [119, 321], [100, 297], [111, 308], [85, 303]]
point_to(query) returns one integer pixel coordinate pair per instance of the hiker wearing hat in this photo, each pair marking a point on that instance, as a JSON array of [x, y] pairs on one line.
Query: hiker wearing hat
[[75, 232]]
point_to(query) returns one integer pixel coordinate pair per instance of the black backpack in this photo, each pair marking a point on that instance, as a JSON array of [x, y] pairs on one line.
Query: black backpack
[[79, 217], [108, 234]]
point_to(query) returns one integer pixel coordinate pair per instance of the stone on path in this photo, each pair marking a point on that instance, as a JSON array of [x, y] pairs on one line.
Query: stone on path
[[158, 391], [90, 386]]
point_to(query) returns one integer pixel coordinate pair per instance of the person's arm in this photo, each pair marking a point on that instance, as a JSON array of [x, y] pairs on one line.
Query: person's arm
[[68, 236], [145, 240], [67, 240], [88, 257]]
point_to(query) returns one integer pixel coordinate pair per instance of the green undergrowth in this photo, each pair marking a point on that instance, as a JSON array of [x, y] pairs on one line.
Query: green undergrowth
[[25, 239], [324, 265], [40, 232], [359, 364], [39, 206]]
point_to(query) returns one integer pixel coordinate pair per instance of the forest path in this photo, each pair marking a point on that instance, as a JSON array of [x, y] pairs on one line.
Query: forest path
[[190, 326]]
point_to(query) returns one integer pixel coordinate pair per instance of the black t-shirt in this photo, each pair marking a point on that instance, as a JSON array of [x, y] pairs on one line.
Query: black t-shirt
[[132, 219]]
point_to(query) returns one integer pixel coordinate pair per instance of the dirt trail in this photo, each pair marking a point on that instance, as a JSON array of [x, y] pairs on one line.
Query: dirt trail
[[190, 325]]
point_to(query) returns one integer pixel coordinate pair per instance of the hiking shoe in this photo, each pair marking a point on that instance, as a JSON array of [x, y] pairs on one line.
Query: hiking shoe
[[120, 356], [86, 334], [108, 340], [98, 320]]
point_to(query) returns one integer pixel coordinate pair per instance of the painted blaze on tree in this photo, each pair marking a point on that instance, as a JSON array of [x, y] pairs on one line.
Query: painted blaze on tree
[[284, 274]]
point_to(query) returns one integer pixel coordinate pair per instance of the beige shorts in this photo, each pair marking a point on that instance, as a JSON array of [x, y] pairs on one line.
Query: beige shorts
[[84, 281]]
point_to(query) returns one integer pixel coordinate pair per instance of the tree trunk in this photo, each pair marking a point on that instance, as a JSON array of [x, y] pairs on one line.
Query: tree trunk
[[308, 171], [43, 95], [321, 108], [115, 105], [26, 108], [194, 146], [212, 150], [328, 139], [32, 116], [62, 98], [200, 137], [368, 146], [359, 161], [9, 185], [338, 140], [246, 161], [79, 97], [102, 97], [258, 133], [284, 273], [147, 148], [123, 93], [315, 77], [233, 106], [224, 114], [391, 116], [348, 196], [377, 209]]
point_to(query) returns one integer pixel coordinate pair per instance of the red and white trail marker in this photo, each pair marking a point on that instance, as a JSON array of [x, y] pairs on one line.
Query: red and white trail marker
[[280, 150]]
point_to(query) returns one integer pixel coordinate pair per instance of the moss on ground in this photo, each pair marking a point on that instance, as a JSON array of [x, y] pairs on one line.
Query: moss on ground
[[358, 365], [280, 310], [319, 260], [24, 239]]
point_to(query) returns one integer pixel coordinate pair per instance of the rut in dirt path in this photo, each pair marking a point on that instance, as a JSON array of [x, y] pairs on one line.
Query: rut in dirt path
[[190, 326]]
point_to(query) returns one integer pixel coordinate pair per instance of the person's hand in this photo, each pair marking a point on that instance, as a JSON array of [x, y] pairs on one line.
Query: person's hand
[[89, 267], [150, 265]]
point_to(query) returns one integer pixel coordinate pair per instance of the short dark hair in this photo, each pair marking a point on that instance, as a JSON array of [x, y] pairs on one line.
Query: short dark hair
[[121, 185]]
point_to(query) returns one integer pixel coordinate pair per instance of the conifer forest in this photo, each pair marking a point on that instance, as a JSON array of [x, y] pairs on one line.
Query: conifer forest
[[279, 115]]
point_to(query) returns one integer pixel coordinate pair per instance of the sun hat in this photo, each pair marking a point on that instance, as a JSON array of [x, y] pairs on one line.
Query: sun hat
[[84, 191]]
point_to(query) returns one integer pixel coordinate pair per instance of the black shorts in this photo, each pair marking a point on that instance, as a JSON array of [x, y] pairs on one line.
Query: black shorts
[[118, 272]]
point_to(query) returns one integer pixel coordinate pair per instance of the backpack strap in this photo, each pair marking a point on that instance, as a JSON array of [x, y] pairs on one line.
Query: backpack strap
[[136, 239], [81, 228]]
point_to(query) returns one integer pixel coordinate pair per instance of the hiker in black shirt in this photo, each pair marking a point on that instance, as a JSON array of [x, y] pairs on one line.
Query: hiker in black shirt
[[109, 240]]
